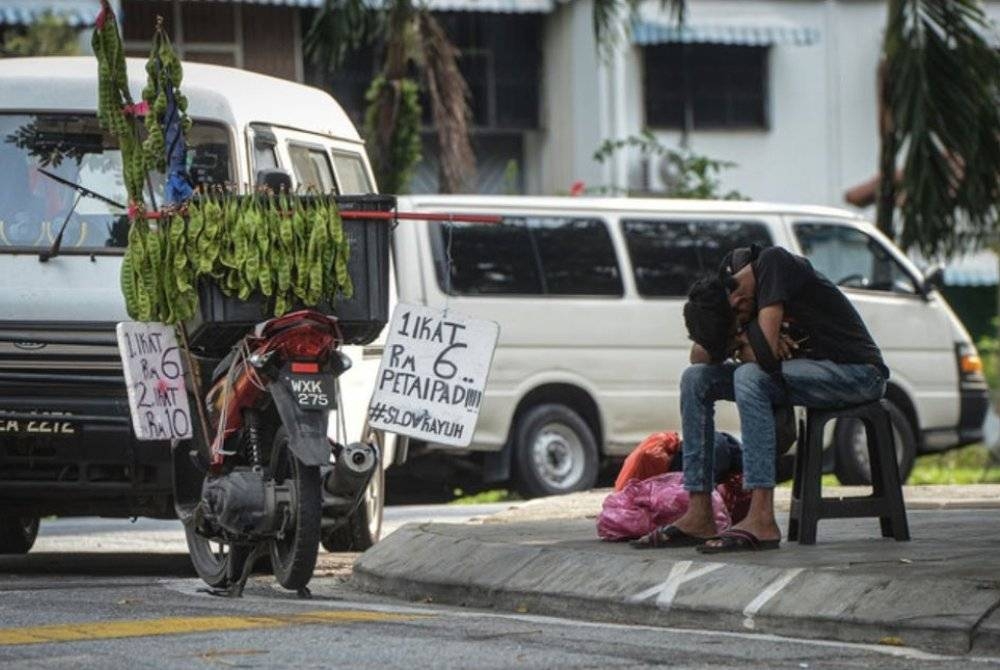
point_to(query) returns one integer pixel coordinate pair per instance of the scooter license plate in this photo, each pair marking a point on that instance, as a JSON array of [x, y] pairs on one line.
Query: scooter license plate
[[312, 391]]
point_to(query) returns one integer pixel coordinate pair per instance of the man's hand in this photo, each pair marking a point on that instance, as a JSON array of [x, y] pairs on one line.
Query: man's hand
[[744, 352], [786, 347]]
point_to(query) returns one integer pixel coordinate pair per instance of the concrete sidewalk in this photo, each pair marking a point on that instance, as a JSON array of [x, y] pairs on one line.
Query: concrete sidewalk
[[940, 591]]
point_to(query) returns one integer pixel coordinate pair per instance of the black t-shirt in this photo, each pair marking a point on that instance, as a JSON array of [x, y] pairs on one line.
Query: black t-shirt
[[817, 308]]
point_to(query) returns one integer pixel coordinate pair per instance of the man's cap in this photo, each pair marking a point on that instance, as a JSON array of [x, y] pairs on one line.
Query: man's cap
[[736, 260]]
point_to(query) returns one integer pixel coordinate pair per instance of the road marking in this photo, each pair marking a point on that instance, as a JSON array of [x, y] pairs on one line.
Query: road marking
[[665, 592], [764, 596], [456, 612], [106, 630]]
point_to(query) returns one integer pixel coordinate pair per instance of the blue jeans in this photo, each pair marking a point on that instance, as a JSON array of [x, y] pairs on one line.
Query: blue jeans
[[807, 382]]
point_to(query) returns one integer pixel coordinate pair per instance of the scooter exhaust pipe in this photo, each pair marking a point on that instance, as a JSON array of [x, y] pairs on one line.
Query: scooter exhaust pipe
[[352, 471]]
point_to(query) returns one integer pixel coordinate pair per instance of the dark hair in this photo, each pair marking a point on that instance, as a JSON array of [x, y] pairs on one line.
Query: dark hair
[[709, 318]]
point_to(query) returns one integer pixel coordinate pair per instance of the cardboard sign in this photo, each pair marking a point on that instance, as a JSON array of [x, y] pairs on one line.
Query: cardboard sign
[[433, 374], [157, 396]]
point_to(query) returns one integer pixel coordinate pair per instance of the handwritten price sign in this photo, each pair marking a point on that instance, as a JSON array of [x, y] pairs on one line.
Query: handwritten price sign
[[156, 393], [433, 374]]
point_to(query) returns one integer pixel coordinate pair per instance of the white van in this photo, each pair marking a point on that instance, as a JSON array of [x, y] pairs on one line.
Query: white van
[[66, 443], [589, 291]]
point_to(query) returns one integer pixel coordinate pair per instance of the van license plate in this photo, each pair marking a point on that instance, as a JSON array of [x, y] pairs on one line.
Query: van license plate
[[38, 427], [312, 391]]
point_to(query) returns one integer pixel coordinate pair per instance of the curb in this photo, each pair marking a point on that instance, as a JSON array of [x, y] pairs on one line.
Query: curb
[[441, 563]]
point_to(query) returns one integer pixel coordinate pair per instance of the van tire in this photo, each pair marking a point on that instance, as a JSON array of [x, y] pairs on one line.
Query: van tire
[[17, 534], [554, 452], [851, 464]]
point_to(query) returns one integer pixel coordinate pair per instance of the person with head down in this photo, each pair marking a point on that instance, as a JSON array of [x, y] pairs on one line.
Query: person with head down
[[744, 352]]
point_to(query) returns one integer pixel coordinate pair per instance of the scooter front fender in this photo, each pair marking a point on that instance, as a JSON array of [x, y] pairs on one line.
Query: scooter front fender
[[306, 428]]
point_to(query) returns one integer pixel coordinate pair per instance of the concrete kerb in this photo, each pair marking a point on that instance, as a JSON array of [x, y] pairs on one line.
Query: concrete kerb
[[933, 593], [432, 563]]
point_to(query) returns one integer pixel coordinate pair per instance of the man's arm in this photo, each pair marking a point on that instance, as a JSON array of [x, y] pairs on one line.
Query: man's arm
[[769, 319]]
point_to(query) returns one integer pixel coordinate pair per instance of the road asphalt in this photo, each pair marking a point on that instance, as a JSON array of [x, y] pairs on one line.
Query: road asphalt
[[938, 592]]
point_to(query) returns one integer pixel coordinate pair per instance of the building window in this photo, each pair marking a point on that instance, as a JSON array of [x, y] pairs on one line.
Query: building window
[[668, 256], [528, 256], [705, 86], [500, 59], [259, 38]]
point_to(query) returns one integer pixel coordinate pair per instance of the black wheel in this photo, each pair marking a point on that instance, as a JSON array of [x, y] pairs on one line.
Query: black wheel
[[212, 559], [17, 534], [293, 556], [850, 443], [554, 452]]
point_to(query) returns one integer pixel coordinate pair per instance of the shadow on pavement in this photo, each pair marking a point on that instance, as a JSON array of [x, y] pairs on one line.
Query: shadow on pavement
[[127, 564]]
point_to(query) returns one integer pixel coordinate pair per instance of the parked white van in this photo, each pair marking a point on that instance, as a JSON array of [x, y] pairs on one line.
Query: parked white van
[[588, 293], [66, 443]]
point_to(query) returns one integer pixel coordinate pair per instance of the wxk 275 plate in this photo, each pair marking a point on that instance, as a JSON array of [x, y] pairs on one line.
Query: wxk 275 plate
[[311, 391]]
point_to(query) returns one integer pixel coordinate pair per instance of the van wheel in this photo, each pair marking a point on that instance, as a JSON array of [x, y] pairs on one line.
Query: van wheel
[[17, 534], [853, 467], [554, 452]]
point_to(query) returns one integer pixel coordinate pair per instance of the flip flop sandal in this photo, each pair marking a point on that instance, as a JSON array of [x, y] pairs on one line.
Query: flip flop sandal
[[736, 540], [665, 537]]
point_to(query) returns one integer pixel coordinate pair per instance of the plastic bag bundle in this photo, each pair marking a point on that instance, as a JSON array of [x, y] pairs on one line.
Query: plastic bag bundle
[[643, 505]]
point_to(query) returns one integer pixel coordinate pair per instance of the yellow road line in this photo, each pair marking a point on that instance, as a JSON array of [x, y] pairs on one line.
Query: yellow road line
[[106, 630]]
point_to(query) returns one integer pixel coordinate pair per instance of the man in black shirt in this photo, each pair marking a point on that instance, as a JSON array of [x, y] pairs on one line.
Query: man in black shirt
[[740, 315]]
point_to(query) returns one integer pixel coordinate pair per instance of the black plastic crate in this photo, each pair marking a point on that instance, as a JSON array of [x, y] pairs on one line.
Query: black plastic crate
[[222, 320]]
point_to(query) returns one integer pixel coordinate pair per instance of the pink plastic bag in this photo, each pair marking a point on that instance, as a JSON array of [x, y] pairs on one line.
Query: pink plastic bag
[[646, 504]]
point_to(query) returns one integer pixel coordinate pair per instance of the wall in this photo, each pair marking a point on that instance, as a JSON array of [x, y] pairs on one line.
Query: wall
[[571, 96]]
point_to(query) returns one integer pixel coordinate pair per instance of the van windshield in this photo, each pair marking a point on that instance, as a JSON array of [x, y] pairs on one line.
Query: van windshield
[[73, 146]]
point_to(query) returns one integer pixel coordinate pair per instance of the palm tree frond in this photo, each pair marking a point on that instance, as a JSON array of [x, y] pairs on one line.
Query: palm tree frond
[[942, 96], [339, 28], [449, 97], [613, 19]]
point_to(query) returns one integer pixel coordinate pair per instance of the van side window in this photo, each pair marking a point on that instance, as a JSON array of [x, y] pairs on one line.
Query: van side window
[[351, 175], [529, 256], [487, 259], [668, 256], [312, 168], [264, 156], [852, 259]]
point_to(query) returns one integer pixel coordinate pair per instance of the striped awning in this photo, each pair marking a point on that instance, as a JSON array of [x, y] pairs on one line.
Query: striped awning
[[486, 6], [978, 269], [77, 13], [742, 33]]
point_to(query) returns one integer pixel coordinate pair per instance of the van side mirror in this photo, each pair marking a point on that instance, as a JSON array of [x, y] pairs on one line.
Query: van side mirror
[[933, 278], [275, 180]]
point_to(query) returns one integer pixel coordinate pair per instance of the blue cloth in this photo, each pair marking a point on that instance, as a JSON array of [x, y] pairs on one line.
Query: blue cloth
[[728, 457], [811, 383], [177, 189]]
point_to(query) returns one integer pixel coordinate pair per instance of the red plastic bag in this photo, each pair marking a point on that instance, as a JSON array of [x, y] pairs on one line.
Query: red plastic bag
[[735, 497], [643, 505], [652, 457]]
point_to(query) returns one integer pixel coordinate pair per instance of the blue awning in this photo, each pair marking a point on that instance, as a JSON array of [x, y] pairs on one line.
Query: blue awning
[[77, 13], [749, 33], [978, 269]]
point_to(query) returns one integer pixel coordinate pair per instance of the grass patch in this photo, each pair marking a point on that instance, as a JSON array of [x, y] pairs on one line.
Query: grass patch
[[484, 497], [968, 465]]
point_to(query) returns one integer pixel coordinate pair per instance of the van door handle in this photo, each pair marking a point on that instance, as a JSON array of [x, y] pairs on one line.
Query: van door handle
[[372, 351]]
